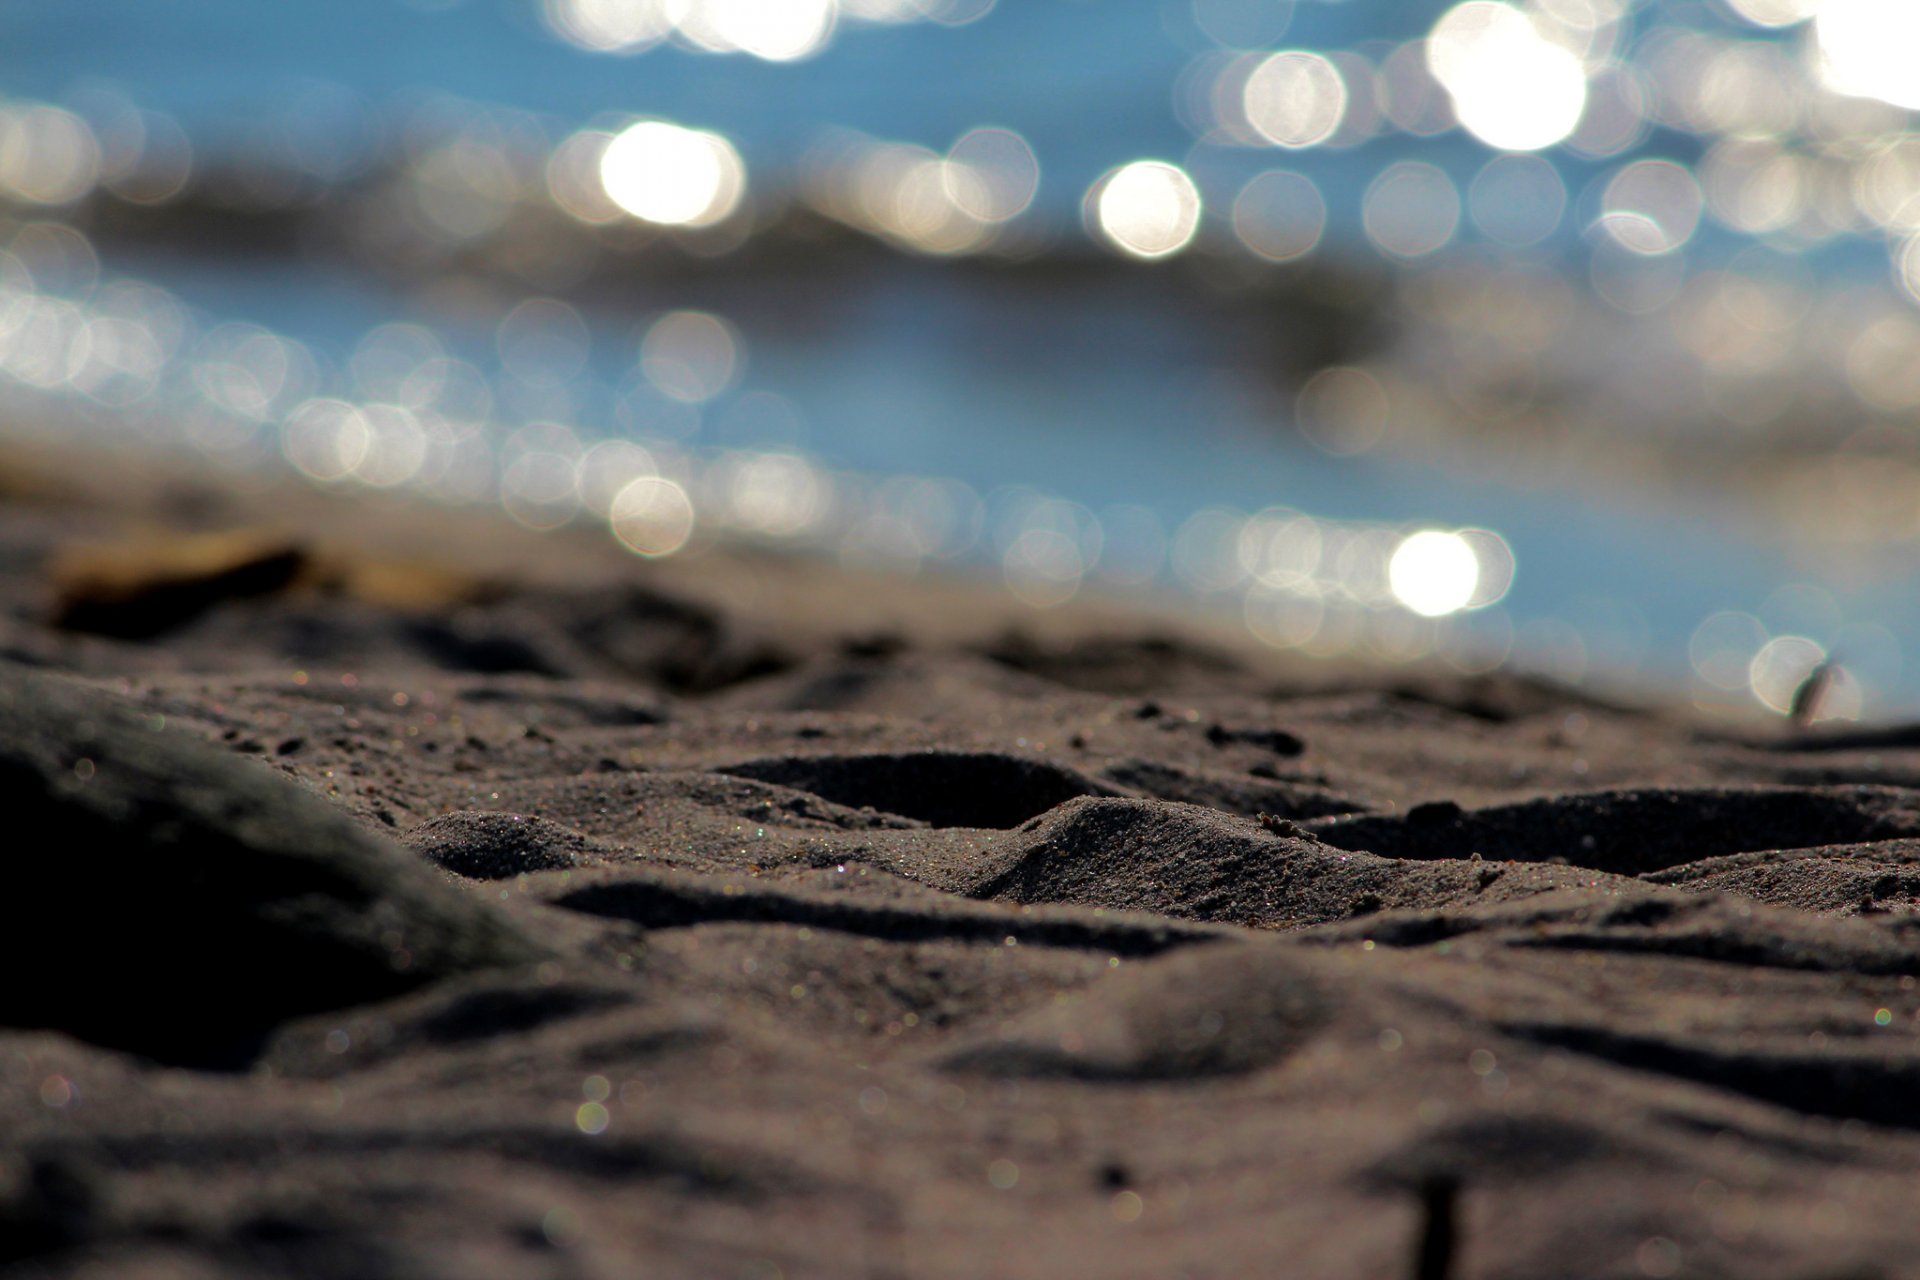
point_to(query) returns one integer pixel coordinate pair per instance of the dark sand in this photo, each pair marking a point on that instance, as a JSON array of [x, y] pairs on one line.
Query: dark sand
[[396, 893]]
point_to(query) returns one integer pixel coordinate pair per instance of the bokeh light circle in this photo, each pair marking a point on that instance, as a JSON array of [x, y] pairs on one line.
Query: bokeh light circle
[[773, 30], [1344, 410], [1003, 174], [1283, 619], [47, 155], [1774, 13], [1517, 200], [652, 516], [1652, 207], [691, 356], [1497, 566], [608, 26], [1906, 266], [1434, 573], [1295, 99], [1722, 647], [1280, 215], [1512, 88], [1411, 209], [326, 439], [1242, 24], [1869, 49], [1780, 667], [1148, 209], [663, 173]]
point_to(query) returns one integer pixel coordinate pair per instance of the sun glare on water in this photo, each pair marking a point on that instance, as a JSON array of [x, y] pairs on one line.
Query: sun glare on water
[[663, 173], [1148, 209], [774, 30], [1869, 49], [1512, 87], [1434, 573]]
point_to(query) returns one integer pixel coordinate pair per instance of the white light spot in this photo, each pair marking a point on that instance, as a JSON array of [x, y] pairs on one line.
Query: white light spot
[[1511, 87], [778, 494], [396, 447], [326, 439], [1295, 99], [47, 155], [775, 30], [1869, 48], [992, 174], [652, 516], [607, 468], [1043, 567], [930, 207], [1434, 573], [1775, 13], [660, 172], [1149, 209], [608, 26]]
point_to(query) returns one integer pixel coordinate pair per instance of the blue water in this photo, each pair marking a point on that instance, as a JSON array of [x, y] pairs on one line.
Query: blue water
[[1103, 399], [1063, 73]]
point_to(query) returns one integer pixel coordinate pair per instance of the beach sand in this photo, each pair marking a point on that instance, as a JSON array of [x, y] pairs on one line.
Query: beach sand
[[395, 892]]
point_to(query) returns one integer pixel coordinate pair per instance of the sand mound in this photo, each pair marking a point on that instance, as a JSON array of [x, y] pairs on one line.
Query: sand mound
[[494, 846], [675, 901], [1211, 1011], [1185, 861], [1868, 879], [1634, 832], [940, 788], [1198, 864], [559, 705], [1230, 793]]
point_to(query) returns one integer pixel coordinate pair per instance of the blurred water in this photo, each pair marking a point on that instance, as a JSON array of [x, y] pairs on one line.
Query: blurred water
[[1117, 397]]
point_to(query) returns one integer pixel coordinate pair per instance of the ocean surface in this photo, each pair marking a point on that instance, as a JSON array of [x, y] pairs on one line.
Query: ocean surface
[[1088, 407]]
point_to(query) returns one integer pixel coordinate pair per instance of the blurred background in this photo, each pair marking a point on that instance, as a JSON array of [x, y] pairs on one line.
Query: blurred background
[[1579, 336]]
